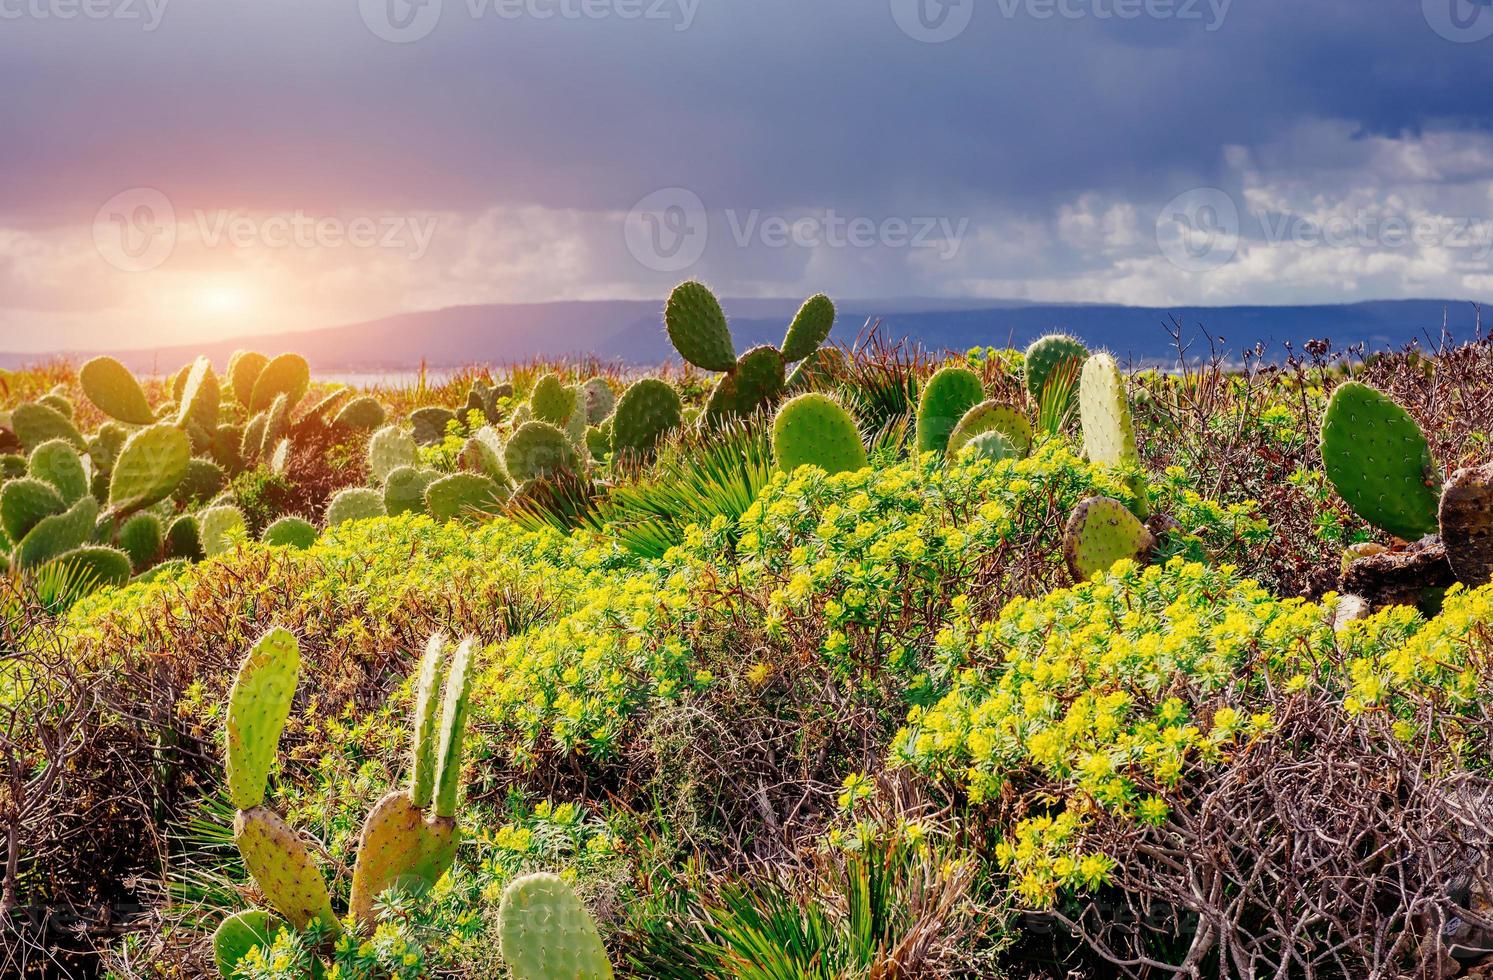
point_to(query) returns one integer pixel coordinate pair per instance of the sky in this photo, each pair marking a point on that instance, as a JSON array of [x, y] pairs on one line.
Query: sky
[[178, 170]]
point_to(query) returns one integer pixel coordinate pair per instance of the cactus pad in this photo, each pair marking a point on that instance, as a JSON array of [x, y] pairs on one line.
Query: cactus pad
[[947, 397], [149, 467], [433, 664], [463, 495], [552, 401], [25, 503], [363, 413], [244, 368], [649, 409], [992, 445], [355, 504], [283, 868], [114, 391], [184, 538], [200, 397], [258, 706], [483, 453], [142, 537], [545, 933], [1378, 459], [404, 490], [287, 375], [290, 532], [58, 463], [239, 933], [55, 535], [538, 450], [1046, 356], [389, 449], [599, 400], [428, 424], [992, 416], [1100, 532], [697, 328], [400, 847], [452, 730], [95, 567], [203, 481], [809, 329], [1467, 524], [219, 528], [814, 429], [35, 424]]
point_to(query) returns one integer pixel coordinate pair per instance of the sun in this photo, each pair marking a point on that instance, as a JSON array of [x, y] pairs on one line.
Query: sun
[[224, 299]]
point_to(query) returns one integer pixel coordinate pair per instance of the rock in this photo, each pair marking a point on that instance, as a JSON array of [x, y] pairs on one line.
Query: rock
[[1467, 524]]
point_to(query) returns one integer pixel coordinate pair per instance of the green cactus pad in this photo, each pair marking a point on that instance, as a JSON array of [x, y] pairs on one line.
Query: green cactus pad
[[545, 933], [400, 847], [992, 445], [290, 532], [35, 424], [287, 375], [25, 503], [598, 442], [219, 528], [947, 397], [239, 933], [814, 429], [552, 401], [283, 868], [648, 410], [276, 422], [258, 705], [1108, 430], [817, 370], [227, 447], [55, 535], [599, 400], [992, 416], [244, 368], [58, 402], [200, 397], [59, 464], [697, 328], [389, 449], [184, 539], [1100, 532], [323, 407], [1466, 516], [142, 538], [452, 730], [149, 467], [537, 450], [428, 424], [1378, 459], [404, 490], [203, 481], [423, 751], [105, 445], [13, 466], [760, 376], [809, 329], [363, 413], [483, 453], [1046, 355], [463, 495], [95, 567], [355, 504], [251, 442], [114, 391]]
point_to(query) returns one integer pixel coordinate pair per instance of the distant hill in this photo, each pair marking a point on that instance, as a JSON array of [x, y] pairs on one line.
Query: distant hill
[[632, 331]]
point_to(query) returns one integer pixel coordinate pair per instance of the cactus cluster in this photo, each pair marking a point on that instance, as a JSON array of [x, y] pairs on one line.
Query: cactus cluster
[[401, 843], [1379, 461], [698, 329]]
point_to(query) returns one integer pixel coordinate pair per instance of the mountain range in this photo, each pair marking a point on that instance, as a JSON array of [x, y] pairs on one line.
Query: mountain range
[[631, 331]]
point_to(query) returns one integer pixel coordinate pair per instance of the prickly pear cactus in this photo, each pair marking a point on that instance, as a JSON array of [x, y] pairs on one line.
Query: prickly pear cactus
[[809, 329], [814, 429], [1379, 461], [483, 453], [428, 424], [992, 445], [538, 450], [290, 532], [219, 528], [59, 464], [276, 422], [25, 503], [545, 933], [1045, 356], [287, 375], [697, 328], [184, 539], [142, 537], [1108, 430], [469, 496], [283, 868], [649, 409], [114, 391], [404, 490], [244, 368], [1100, 532], [756, 382], [389, 449], [598, 442], [355, 504], [992, 416], [552, 401], [237, 934], [95, 567], [947, 397], [56, 535], [35, 424], [597, 396], [149, 467], [363, 413], [258, 705], [203, 481], [200, 397], [1466, 517]]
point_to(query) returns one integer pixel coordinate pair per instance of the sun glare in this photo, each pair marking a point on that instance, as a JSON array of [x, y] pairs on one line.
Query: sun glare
[[222, 299]]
